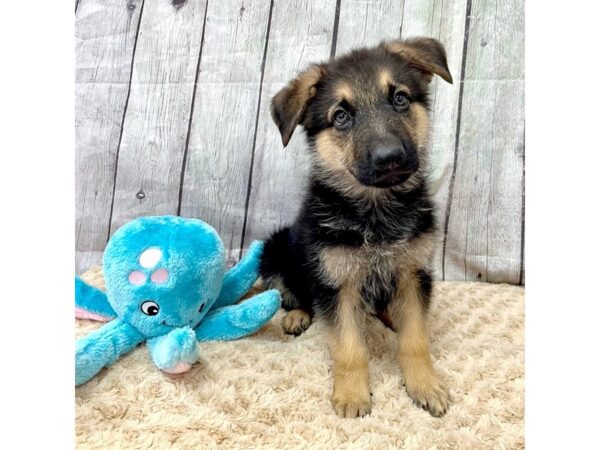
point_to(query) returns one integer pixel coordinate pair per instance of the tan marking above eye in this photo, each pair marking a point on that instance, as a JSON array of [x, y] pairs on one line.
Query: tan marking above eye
[[385, 79], [343, 91]]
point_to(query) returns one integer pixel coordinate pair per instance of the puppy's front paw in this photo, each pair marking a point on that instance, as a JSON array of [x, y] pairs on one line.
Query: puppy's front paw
[[351, 403], [429, 392], [296, 322]]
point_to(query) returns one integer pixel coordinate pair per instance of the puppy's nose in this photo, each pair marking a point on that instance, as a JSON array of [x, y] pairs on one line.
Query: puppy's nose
[[388, 157]]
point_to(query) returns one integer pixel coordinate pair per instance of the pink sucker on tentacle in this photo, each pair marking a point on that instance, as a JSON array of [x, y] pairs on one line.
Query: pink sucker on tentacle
[[83, 314], [180, 367]]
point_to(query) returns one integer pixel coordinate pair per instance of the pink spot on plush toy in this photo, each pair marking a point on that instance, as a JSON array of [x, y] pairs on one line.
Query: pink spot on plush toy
[[178, 368], [160, 276], [136, 277]]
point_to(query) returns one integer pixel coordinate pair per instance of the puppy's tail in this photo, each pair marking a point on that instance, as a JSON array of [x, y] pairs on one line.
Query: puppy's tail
[[276, 260], [275, 254]]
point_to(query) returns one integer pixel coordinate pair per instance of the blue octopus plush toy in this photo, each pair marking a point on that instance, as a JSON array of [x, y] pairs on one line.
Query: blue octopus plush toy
[[167, 284]]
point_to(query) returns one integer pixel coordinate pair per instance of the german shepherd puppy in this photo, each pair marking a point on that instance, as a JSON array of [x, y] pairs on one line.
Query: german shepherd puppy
[[362, 241]]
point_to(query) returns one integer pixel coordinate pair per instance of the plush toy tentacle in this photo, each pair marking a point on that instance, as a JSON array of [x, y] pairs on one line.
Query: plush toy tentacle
[[240, 278], [91, 303], [176, 351], [103, 347], [237, 321]]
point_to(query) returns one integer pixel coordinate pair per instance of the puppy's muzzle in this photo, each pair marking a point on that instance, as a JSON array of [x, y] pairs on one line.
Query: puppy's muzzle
[[388, 164]]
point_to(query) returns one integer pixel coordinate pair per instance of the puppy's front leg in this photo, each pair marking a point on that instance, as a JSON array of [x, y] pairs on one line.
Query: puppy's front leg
[[408, 313], [351, 393]]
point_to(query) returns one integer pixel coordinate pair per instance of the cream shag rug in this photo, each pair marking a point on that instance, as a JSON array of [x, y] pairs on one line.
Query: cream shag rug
[[272, 390]]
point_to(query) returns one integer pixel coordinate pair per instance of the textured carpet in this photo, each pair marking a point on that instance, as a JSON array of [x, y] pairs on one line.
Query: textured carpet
[[272, 390]]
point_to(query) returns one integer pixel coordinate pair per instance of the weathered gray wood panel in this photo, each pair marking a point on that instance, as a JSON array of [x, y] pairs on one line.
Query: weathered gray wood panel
[[483, 241], [155, 129], [301, 33], [104, 43], [444, 20], [220, 150], [365, 23], [188, 130]]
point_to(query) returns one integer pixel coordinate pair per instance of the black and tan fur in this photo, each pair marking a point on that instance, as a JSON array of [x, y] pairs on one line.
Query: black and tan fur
[[364, 236]]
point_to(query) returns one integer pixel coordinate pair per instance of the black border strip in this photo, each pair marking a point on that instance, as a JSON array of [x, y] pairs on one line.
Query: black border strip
[[112, 202], [457, 137], [189, 130], [336, 25], [522, 267], [402, 20]]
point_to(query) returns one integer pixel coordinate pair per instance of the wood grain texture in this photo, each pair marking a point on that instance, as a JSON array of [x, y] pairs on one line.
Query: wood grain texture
[[443, 20], [104, 43], [366, 23], [157, 117], [484, 228], [172, 117], [301, 33], [220, 150]]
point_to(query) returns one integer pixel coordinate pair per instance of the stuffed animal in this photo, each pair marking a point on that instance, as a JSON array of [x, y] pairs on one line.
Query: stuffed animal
[[167, 284]]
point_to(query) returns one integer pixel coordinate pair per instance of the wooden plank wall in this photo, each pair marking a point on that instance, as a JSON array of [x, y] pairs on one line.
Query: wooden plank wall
[[172, 117]]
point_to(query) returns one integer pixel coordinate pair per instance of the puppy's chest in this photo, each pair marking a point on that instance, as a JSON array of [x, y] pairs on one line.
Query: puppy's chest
[[375, 264], [379, 234]]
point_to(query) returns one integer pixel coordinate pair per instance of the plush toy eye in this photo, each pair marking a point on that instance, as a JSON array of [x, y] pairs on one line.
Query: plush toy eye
[[150, 308], [201, 307]]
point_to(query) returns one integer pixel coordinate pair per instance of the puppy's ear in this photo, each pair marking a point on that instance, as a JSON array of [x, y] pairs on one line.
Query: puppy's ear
[[425, 54], [289, 104]]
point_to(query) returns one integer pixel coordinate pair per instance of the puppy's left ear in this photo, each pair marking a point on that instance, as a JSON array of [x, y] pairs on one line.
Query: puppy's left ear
[[289, 104], [425, 54]]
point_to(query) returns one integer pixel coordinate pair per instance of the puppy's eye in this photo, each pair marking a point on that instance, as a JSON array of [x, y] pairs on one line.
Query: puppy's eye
[[400, 101], [150, 308], [342, 120]]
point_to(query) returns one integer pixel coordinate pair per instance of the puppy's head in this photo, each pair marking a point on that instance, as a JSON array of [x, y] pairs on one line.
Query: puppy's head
[[365, 114]]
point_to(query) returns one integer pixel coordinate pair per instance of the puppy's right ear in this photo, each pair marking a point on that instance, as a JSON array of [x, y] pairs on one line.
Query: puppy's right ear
[[289, 104], [425, 54]]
